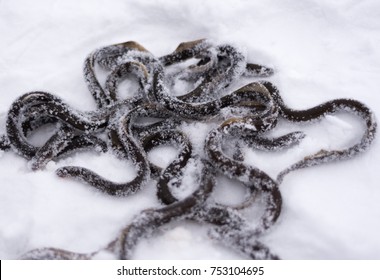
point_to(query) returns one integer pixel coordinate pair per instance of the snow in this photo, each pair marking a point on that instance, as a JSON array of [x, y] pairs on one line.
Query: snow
[[320, 50]]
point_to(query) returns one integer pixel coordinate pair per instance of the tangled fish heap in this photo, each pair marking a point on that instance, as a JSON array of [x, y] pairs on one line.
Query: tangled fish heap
[[252, 111]]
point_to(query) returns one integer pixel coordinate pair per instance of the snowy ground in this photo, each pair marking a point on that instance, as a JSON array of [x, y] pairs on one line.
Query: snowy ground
[[320, 49]]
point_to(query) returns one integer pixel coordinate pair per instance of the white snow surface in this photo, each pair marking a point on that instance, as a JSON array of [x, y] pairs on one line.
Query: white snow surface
[[320, 50]]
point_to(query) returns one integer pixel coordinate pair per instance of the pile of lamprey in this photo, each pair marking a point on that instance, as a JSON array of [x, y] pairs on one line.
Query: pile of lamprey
[[242, 117]]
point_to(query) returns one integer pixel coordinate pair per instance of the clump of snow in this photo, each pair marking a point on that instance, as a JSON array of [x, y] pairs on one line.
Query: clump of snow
[[181, 241], [162, 156], [229, 192]]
